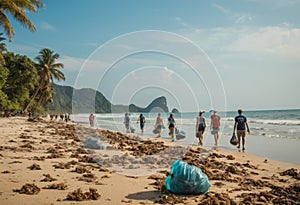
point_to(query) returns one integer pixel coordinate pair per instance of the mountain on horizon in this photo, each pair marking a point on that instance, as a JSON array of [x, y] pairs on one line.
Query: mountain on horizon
[[87, 100]]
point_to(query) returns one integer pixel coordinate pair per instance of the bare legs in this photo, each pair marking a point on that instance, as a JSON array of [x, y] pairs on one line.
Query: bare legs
[[241, 134], [216, 136], [200, 136], [172, 133]]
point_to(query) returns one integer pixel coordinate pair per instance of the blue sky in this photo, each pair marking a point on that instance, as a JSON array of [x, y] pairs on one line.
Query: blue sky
[[249, 48]]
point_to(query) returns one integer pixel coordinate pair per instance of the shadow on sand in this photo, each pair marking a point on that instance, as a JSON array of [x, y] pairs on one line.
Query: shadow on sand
[[144, 195]]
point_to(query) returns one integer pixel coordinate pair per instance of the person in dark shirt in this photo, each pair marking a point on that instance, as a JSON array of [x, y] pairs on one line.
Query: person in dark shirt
[[240, 125], [172, 124], [142, 122]]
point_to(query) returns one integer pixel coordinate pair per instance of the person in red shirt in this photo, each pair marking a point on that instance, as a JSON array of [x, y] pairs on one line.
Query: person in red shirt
[[92, 118], [215, 126]]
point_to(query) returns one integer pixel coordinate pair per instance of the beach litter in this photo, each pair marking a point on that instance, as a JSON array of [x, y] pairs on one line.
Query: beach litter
[[94, 143], [78, 195], [180, 134], [34, 166], [60, 186], [29, 189], [187, 179], [234, 140]]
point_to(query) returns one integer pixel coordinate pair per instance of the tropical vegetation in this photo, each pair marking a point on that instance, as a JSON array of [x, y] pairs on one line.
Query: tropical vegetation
[[48, 70], [28, 85], [25, 84], [17, 9]]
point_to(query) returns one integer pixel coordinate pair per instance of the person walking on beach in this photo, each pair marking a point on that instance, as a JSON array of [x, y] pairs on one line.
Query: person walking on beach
[[200, 127], [239, 125], [127, 122], [142, 122], [215, 126], [92, 118], [159, 125], [172, 124]]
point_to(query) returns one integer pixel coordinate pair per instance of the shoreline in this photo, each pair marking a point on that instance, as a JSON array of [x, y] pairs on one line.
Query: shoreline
[[57, 148]]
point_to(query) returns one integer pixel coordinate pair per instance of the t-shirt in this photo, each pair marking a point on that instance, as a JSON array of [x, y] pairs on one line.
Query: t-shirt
[[159, 121], [200, 120], [241, 120], [215, 120]]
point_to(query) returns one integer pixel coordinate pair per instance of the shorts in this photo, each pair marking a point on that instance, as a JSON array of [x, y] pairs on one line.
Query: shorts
[[142, 125], [215, 130], [201, 127], [241, 133], [171, 126], [159, 127]]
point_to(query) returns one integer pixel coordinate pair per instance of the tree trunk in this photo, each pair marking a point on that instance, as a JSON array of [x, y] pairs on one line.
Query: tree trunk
[[33, 97]]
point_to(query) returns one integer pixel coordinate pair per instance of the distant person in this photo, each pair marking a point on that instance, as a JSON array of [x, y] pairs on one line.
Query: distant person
[[67, 117], [172, 124], [142, 122], [62, 117], [92, 119], [200, 127], [127, 122], [215, 126], [159, 125], [240, 125]]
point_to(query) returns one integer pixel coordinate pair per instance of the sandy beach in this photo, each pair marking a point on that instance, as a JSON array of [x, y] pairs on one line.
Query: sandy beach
[[45, 162]]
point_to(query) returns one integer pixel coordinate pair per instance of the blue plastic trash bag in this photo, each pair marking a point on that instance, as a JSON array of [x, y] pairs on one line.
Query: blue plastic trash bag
[[180, 134], [187, 179], [94, 143]]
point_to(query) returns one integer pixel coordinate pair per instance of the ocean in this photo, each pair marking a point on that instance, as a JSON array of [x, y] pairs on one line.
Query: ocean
[[275, 134]]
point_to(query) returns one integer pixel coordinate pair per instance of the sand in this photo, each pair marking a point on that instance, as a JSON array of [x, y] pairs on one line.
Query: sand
[[45, 162]]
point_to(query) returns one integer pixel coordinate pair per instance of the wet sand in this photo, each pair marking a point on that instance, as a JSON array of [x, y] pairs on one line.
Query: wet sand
[[45, 162]]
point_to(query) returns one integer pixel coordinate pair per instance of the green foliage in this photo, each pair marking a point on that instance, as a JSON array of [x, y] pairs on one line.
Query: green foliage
[[21, 80], [3, 77], [18, 10], [48, 69]]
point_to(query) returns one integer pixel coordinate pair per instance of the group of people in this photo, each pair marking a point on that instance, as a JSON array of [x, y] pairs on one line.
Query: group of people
[[65, 117], [240, 126], [141, 120]]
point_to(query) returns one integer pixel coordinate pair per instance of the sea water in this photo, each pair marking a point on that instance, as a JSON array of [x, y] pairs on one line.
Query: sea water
[[275, 134]]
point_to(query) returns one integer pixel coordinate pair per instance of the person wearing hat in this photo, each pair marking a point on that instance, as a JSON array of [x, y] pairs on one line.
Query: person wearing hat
[[200, 127], [215, 126], [240, 125]]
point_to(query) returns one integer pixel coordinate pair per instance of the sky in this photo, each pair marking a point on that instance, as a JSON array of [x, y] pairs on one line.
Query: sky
[[199, 54]]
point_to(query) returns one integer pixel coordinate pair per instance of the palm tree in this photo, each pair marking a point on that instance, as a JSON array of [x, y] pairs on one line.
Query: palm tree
[[2, 49], [47, 70], [17, 8]]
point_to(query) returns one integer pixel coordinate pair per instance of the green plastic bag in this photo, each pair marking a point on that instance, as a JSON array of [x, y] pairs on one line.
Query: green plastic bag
[[187, 179]]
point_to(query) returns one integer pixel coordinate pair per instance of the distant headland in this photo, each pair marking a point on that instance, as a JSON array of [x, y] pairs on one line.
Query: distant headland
[[64, 101]]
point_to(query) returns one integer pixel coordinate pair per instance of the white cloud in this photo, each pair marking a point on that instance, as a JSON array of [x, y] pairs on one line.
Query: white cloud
[[46, 26], [181, 22], [76, 64], [281, 41], [276, 3], [277, 42], [239, 18]]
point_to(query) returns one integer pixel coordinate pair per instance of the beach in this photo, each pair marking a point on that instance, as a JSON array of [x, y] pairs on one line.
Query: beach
[[46, 162]]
